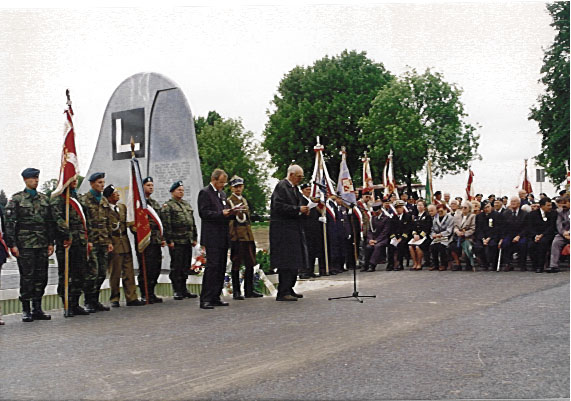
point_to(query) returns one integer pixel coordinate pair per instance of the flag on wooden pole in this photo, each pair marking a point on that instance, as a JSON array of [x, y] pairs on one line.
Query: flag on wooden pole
[[526, 185], [320, 176], [469, 186], [388, 177], [367, 176], [69, 164], [428, 187], [345, 187]]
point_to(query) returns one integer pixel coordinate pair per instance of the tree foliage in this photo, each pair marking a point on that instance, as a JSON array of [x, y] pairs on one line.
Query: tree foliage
[[49, 186], [223, 143], [552, 111], [420, 117], [326, 99]]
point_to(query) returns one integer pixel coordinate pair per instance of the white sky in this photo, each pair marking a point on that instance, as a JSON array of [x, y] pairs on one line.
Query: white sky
[[230, 58]]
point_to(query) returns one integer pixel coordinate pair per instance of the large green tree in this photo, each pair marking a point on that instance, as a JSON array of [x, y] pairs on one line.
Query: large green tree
[[552, 112], [225, 144], [420, 117], [326, 99]]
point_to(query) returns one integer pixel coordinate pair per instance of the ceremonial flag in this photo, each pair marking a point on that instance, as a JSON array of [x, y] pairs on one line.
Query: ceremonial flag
[[320, 175], [428, 188], [388, 177], [69, 165], [367, 176], [138, 209], [469, 187], [344, 183], [526, 185]]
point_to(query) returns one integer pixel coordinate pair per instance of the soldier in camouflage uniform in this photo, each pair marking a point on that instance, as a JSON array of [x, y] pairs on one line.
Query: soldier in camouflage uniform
[[73, 237], [153, 253], [97, 210], [121, 259], [30, 237], [180, 235], [242, 245]]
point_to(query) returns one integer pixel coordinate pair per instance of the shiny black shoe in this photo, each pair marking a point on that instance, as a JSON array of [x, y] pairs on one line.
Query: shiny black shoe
[[101, 308], [78, 310], [254, 294], [219, 303], [297, 295], [304, 277], [178, 297], [289, 298], [238, 297], [136, 302], [27, 317], [189, 295], [155, 299], [206, 305], [115, 304], [90, 308]]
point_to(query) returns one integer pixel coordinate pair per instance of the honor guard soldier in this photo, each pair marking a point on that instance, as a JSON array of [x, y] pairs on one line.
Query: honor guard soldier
[[97, 210], [313, 227], [180, 235], [29, 235], [153, 253], [401, 227], [242, 245], [121, 259], [73, 237]]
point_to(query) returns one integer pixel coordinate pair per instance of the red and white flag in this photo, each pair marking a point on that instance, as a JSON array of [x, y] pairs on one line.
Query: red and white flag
[[526, 185], [321, 185], [138, 210], [69, 166], [388, 177], [367, 176], [469, 186]]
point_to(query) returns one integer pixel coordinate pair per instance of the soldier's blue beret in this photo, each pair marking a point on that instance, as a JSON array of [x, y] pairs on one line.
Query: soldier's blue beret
[[175, 185], [235, 181], [96, 176], [108, 191], [31, 173], [148, 179]]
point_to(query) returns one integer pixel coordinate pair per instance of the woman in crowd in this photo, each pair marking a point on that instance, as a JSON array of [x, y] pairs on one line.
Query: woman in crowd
[[421, 226], [442, 226], [464, 228]]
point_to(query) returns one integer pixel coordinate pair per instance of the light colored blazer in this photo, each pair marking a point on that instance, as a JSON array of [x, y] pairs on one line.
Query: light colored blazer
[[469, 225], [445, 228]]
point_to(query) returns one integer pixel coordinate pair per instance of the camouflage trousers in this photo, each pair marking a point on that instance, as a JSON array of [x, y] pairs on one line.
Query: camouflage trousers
[[96, 272], [181, 258], [77, 270], [153, 261], [33, 266]]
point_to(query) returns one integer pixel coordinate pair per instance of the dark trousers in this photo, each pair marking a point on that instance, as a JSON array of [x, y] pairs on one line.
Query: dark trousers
[[539, 250], [287, 279], [96, 272], [33, 267], [76, 271], [181, 257], [400, 249], [350, 253], [439, 251], [214, 272], [153, 262], [487, 253], [509, 248], [244, 252]]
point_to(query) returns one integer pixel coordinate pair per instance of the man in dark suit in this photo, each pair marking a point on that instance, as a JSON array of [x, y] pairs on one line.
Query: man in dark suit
[[288, 252], [488, 233], [215, 214], [541, 230], [401, 227], [514, 238]]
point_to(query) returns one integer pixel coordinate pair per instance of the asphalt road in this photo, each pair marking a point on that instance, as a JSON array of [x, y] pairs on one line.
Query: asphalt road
[[427, 335]]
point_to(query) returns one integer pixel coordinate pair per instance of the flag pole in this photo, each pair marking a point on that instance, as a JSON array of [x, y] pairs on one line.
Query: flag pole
[[144, 267], [66, 271], [324, 224]]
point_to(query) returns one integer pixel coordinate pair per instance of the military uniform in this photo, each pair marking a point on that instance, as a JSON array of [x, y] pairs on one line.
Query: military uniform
[[121, 259], [29, 228], [153, 257], [77, 251], [242, 248], [180, 230], [99, 232]]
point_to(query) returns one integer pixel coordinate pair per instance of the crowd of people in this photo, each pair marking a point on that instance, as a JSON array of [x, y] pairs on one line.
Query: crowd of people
[[439, 233]]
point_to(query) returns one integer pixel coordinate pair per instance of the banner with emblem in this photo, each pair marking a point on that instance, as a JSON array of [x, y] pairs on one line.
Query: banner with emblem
[[367, 176], [388, 177], [526, 185], [69, 164], [321, 183], [469, 186]]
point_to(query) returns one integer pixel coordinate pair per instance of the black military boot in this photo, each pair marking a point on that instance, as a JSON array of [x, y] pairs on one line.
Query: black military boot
[[89, 305], [26, 314], [98, 305], [249, 284], [37, 312], [236, 292], [76, 308], [69, 311]]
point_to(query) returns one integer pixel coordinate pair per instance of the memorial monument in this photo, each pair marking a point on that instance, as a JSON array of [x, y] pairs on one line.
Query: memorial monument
[[154, 111]]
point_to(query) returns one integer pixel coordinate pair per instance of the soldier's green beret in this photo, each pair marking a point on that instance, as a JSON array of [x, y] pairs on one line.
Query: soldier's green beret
[[175, 185], [148, 179], [235, 181], [31, 173], [108, 191], [96, 176]]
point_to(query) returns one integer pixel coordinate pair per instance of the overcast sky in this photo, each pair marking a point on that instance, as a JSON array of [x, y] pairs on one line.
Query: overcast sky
[[231, 59]]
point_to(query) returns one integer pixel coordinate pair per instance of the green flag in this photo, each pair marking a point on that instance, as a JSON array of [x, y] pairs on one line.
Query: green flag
[[428, 187]]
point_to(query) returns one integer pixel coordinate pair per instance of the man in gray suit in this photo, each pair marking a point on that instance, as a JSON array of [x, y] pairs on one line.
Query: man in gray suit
[[562, 237]]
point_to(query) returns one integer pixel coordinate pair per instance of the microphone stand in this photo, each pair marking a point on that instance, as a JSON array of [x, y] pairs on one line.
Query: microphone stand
[[355, 292]]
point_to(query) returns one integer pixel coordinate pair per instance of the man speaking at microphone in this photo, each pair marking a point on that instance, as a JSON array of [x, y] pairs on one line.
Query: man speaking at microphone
[[288, 251]]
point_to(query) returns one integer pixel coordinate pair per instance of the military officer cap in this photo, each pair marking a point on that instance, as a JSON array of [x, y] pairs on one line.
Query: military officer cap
[[108, 191], [491, 196], [175, 185], [235, 181], [437, 193], [400, 203], [377, 205], [386, 199], [302, 186], [96, 176], [31, 173], [148, 179]]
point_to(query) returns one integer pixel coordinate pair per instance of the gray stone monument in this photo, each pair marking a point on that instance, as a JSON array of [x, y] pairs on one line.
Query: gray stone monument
[[153, 110]]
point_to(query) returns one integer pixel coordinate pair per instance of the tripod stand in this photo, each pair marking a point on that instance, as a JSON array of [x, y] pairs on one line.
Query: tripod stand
[[355, 292]]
